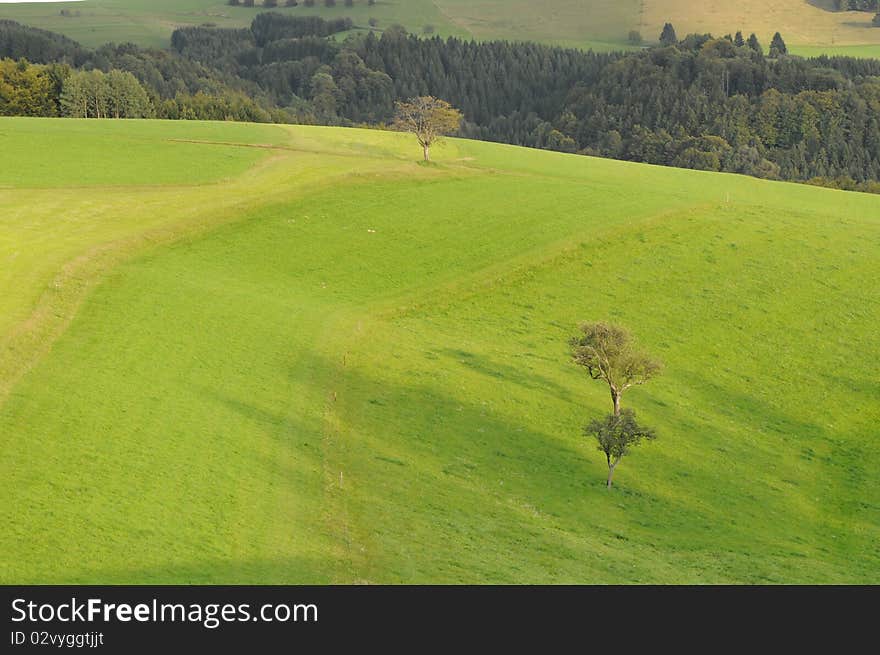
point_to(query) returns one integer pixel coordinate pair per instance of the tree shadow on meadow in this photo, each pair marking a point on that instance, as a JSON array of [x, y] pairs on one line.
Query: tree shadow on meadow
[[427, 471], [793, 472], [297, 436], [484, 478], [504, 372]]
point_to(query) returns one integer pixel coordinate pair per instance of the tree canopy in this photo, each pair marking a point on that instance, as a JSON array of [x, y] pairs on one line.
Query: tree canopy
[[428, 118], [608, 353], [668, 36], [616, 435], [777, 46]]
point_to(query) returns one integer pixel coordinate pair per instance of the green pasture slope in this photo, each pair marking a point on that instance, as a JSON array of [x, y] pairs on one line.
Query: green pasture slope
[[602, 25], [315, 360]]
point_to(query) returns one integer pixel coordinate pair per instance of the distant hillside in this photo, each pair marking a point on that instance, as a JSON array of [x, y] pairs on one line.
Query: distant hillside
[[709, 104], [811, 27]]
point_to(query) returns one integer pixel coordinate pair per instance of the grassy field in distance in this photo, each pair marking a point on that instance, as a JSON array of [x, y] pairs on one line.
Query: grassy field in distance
[[598, 24], [151, 22], [801, 22], [860, 51], [333, 364]]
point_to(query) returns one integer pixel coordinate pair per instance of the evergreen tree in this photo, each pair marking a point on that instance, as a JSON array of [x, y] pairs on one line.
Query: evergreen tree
[[668, 37], [754, 44], [777, 46], [738, 40]]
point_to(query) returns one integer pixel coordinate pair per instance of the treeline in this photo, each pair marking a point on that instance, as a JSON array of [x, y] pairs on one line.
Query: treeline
[[857, 5], [271, 26], [860, 5], [359, 80], [58, 90], [711, 105], [39, 46], [31, 90], [271, 4], [700, 102], [175, 86]]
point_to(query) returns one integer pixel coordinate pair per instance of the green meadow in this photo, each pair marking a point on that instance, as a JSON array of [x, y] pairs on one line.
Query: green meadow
[[258, 354], [809, 28]]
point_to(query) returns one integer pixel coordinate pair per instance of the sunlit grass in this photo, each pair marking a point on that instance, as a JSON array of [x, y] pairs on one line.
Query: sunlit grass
[[359, 373]]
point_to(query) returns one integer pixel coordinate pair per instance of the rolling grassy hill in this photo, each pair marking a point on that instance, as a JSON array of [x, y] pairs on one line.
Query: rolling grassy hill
[[808, 26], [293, 355]]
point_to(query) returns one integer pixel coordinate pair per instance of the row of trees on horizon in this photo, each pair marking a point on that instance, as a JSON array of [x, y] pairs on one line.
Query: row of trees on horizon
[[717, 104], [271, 4]]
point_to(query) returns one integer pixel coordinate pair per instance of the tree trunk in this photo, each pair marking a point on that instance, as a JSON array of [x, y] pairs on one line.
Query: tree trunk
[[426, 148], [611, 468], [615, 398]]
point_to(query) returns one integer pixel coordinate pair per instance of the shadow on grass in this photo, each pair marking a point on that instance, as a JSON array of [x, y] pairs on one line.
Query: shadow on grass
[[506, 373], [442, 474], [298, 438], [442, 488]]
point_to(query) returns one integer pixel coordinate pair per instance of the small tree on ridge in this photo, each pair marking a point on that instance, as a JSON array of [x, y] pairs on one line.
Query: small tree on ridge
[[429, 119]]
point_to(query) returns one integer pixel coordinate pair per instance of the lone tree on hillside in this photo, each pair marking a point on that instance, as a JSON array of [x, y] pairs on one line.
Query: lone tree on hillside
[[668, 36], [777, 46], [608, 353], [616, 434], [429, 119]]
